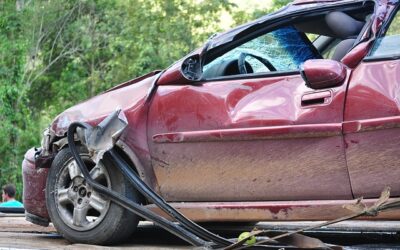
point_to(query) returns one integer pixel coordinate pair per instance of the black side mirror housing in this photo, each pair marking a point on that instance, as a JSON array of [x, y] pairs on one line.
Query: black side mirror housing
[[191, 68]]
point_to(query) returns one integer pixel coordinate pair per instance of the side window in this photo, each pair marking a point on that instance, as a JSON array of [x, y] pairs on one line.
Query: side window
[[283, 49], [389, 44]]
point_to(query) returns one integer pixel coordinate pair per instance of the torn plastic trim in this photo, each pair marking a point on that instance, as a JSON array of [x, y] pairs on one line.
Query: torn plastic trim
[[35, 219], [99, 141], [161, 203], [48, 137], [50, 145], [125, 202], [43, 156], [103, 137]]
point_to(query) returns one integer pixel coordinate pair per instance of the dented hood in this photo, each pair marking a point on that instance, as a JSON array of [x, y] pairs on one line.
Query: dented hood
[[126, 96]]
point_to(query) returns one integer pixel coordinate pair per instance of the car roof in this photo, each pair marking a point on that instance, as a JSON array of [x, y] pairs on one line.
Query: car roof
[[297, 5]]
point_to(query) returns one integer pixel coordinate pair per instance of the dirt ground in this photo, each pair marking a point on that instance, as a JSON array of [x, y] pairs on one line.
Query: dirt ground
[[16, 233]]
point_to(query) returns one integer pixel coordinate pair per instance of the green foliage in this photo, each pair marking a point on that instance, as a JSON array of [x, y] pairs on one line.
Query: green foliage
[[394, 28], [54, 54], [13, 48], [277, 4], [241, 16]]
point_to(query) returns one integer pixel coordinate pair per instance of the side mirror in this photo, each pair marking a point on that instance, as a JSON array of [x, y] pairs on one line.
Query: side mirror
[[183, 72], [191, 68], [323, 73]]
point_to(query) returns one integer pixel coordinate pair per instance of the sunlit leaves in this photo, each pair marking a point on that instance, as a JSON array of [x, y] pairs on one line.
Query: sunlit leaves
[[54, 54]]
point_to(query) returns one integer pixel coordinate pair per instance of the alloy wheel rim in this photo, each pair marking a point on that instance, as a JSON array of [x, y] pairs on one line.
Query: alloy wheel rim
[[78, 204]]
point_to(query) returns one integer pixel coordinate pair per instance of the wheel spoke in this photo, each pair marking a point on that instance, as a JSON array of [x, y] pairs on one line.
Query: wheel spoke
[[79, 217], [97, 172], [63, 196], [98, 203], [74, 170]]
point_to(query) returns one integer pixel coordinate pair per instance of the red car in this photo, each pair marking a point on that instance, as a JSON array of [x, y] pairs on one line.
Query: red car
[[288, 117]]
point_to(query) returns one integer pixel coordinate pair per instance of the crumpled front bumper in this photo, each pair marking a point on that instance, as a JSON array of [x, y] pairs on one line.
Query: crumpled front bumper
[[34, 183]]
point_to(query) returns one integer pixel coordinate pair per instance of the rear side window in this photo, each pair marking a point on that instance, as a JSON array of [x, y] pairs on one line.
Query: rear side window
[[388, 45]]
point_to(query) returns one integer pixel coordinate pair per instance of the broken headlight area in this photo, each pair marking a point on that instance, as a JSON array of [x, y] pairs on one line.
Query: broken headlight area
[[45, 154]]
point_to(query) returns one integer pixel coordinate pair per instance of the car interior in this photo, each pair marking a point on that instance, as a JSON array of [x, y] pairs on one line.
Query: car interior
[[338, 32], [330, 35]]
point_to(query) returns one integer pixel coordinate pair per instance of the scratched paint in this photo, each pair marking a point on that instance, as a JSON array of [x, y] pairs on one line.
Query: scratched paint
[[214, 139]]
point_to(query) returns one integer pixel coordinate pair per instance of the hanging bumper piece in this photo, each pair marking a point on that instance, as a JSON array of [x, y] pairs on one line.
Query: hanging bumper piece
[[100, 141]]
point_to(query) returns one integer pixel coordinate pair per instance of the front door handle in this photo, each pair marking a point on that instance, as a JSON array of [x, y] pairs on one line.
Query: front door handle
[[316, 98]]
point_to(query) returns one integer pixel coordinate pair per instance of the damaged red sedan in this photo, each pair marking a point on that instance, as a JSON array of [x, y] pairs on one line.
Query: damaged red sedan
[[289, 117]]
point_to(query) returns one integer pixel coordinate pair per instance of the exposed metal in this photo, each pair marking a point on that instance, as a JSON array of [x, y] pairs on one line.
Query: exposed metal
[[103, 137], [237, 142], [123, 201]]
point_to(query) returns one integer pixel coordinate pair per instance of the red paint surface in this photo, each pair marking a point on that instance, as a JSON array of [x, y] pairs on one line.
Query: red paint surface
[[224, 125], [254, 139], [273, 208], [133, 81], [34, 181], [132, 100], [173, 74], [275, 132], [272, 211], [373, 120], [323, 73], [354, 57]]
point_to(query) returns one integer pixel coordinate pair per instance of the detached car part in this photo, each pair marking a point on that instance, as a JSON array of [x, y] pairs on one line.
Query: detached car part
[[99, 140], [223, 136]]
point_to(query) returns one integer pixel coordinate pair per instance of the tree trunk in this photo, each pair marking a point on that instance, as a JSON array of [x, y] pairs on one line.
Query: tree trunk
[[19, 5]]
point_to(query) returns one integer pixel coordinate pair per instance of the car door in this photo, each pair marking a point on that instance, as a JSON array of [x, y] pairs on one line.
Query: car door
[[372, 116], [250, 131]]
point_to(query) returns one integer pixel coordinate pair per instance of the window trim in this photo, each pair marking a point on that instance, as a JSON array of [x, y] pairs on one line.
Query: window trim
[[274, 23], [385, 27], [280, 21], [302, 35], [250, 76]]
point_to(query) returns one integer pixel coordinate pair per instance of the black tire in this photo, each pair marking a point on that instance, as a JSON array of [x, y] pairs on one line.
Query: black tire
[[99, 221]]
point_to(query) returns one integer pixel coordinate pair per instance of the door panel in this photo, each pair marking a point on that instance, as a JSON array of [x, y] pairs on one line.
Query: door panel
[[372, 116], [372, 128], [248, 139]]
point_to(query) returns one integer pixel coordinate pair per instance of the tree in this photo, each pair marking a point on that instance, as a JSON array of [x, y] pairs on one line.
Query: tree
[[13, 50], [277, 4], [57, 53]]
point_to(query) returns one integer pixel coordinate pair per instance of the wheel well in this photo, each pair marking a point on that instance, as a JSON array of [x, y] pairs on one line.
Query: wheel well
[[126, 158], [62, 143]]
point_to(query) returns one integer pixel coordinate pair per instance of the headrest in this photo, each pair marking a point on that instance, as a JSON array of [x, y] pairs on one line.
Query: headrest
[[343, 25], [342, 48]]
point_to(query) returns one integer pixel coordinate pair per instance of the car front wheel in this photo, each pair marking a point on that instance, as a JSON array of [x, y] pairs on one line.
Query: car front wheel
[[78, 212]]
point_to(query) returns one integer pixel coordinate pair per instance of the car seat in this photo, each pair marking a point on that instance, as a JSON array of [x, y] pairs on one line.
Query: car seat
[[343, 27]]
